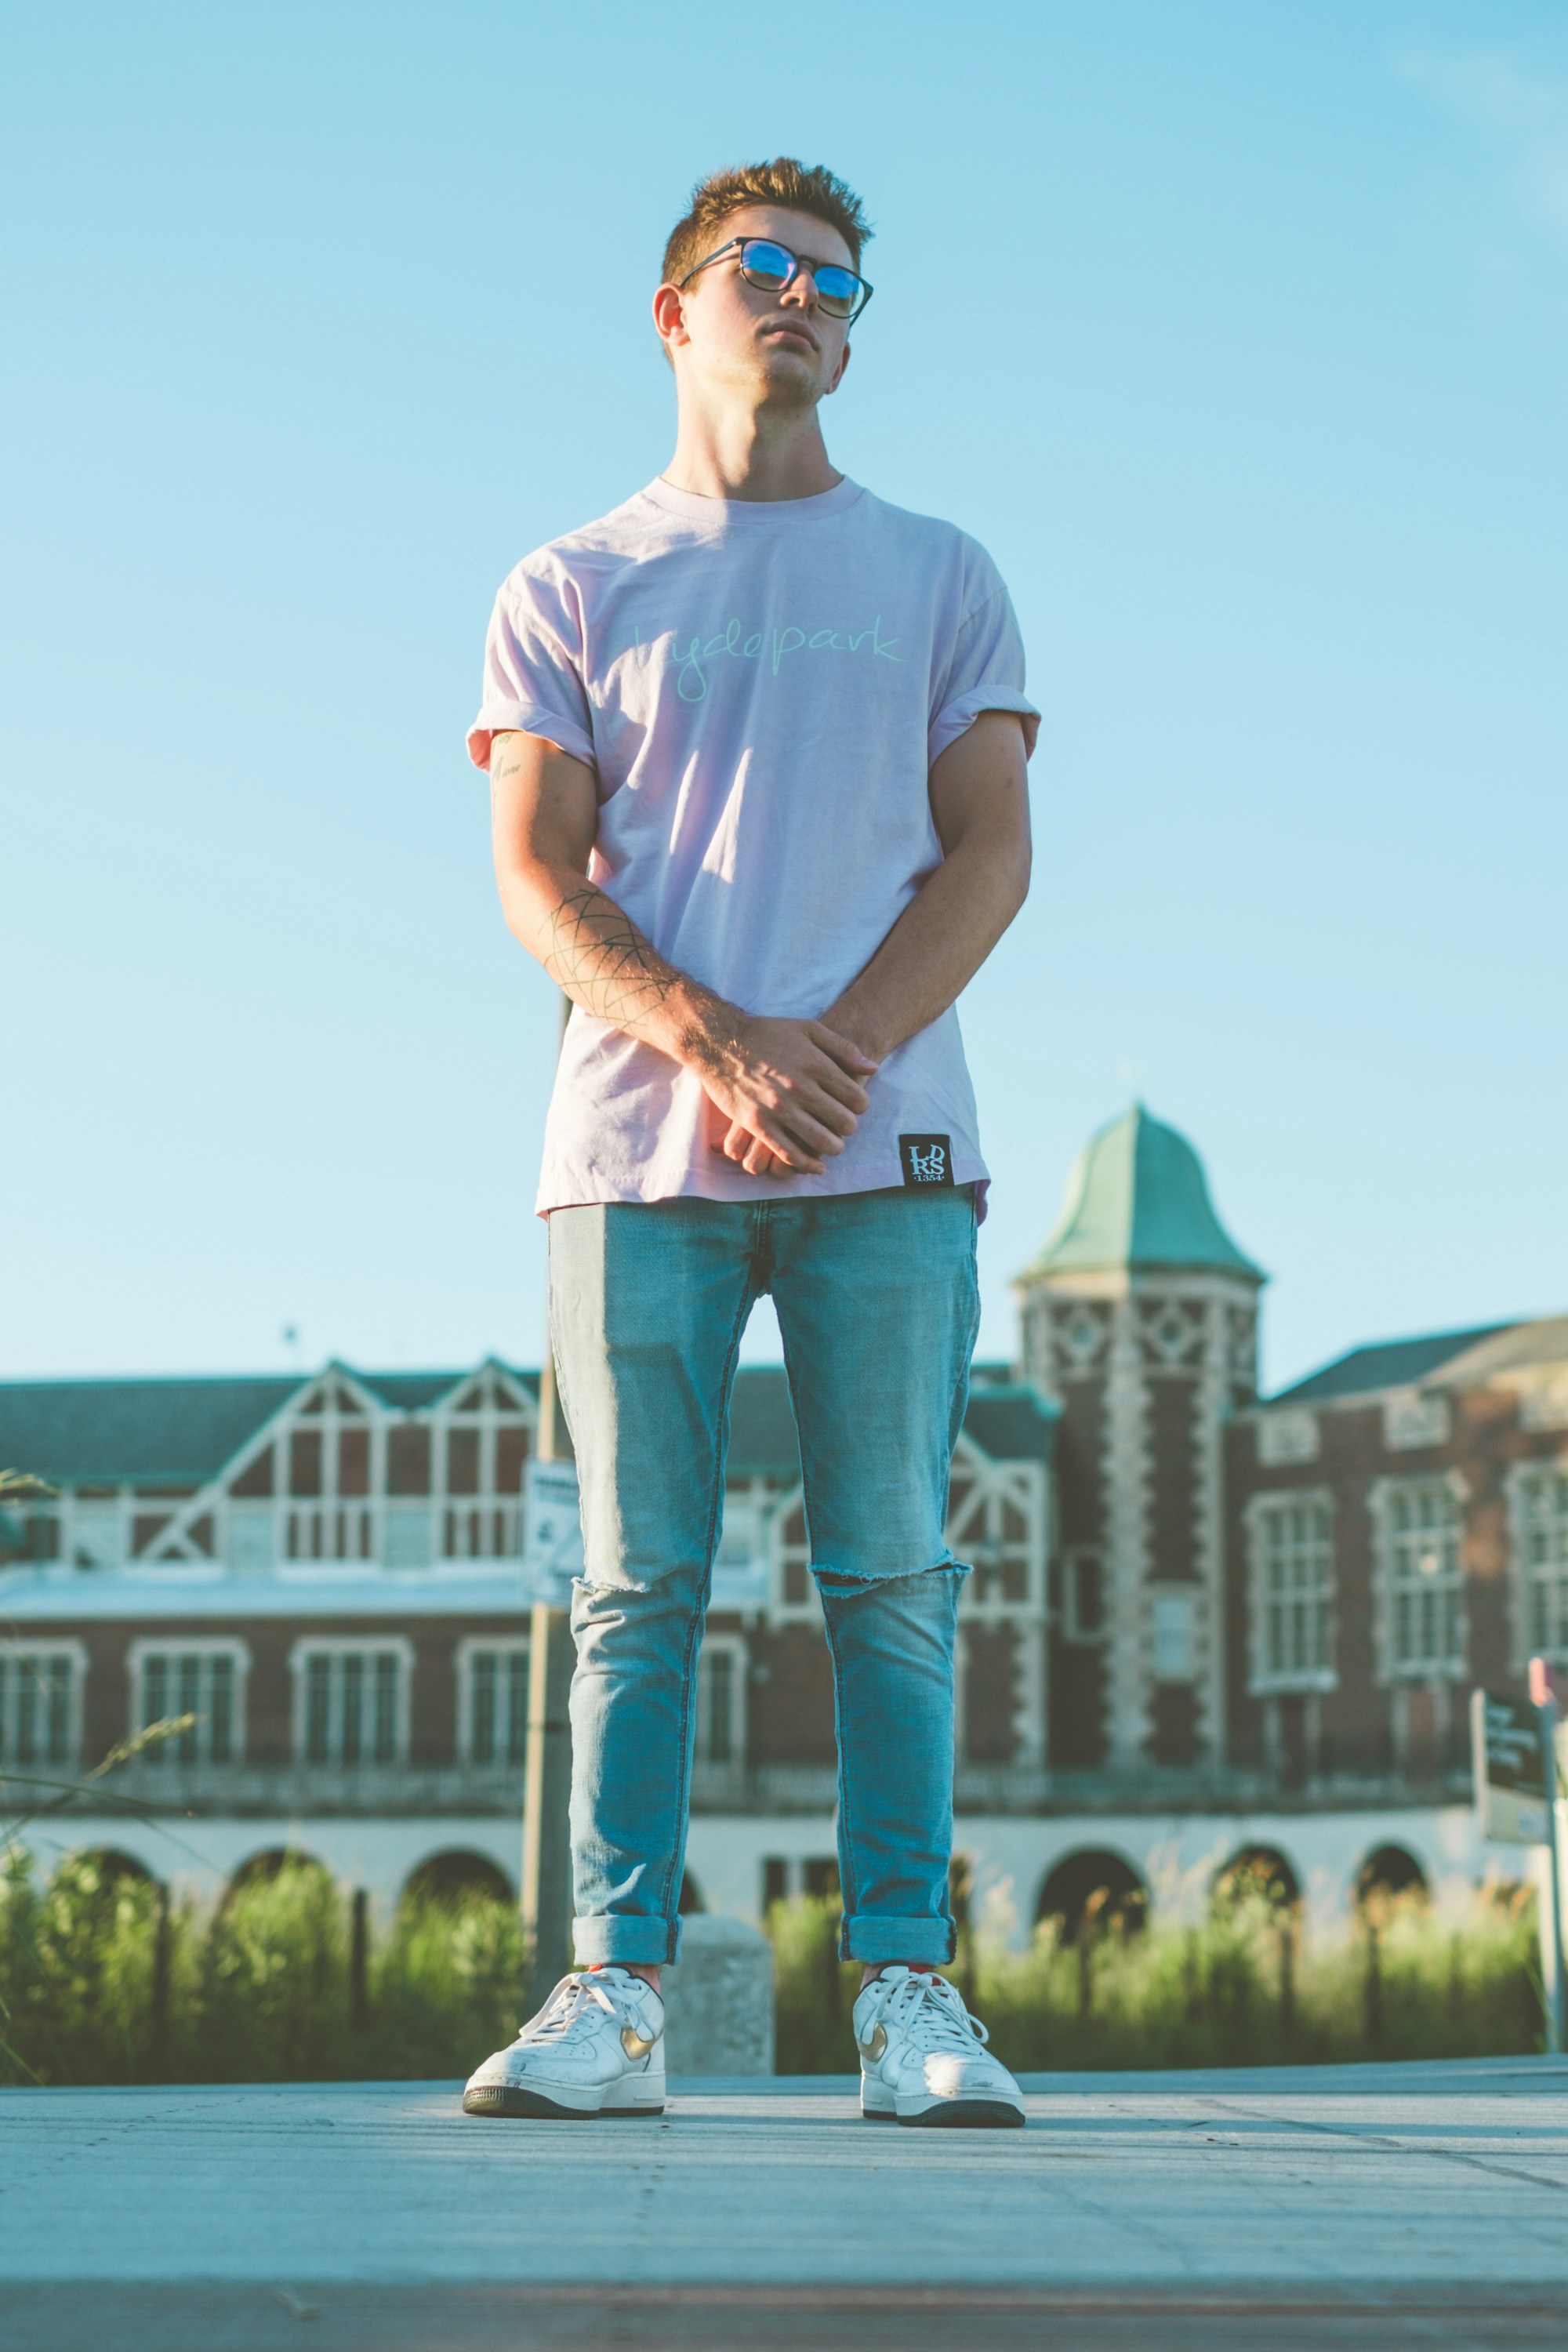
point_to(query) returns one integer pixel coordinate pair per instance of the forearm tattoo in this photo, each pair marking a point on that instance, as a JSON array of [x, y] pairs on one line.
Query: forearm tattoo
[[596, 953], [592, 948]]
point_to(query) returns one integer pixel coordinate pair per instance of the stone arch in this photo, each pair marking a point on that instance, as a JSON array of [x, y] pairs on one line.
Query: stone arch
[[1390, 1871], [118, 1868], [454, 1876], [1092, 1876], [270, 1862], [1258, 1870]]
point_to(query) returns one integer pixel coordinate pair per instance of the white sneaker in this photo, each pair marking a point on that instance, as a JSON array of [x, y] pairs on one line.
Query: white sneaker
[[596, 2048], [921, 2059]]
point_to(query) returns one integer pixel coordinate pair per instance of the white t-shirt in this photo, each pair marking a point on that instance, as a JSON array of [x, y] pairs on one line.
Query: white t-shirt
[[761, 689]]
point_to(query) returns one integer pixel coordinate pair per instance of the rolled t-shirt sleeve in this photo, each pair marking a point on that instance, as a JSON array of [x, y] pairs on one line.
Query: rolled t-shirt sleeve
[[533, 676], [985, 673]]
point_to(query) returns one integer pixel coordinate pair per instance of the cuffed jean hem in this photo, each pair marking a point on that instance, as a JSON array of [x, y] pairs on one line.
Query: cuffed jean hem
[[652, 1943], [873, 1937]]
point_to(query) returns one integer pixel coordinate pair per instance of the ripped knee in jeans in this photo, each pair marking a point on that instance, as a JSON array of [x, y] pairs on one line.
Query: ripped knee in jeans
[[843, 1584]]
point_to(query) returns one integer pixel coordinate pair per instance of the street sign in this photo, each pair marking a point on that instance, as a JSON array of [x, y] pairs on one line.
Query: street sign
[[1510, 1773], [1517, 1746], [551, 1534]]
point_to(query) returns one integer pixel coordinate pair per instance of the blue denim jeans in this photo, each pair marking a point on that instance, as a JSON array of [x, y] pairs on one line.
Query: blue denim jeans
[[878, 1308]]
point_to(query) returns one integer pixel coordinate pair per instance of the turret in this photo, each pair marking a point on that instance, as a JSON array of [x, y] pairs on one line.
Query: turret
[[1140, 1321]]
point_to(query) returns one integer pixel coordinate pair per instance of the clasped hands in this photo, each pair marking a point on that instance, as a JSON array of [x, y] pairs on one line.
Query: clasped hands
[[792, 1092]]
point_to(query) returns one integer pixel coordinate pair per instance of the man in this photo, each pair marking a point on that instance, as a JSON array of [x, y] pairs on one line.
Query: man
[[756, 745]]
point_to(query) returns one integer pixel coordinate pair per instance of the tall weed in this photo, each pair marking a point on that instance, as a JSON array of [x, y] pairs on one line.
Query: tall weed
[[1241, 1989], [104, 1980]]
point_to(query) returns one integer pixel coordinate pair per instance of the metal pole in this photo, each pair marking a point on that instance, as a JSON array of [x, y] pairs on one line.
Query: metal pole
[[547, 1757], [1545, 1706]]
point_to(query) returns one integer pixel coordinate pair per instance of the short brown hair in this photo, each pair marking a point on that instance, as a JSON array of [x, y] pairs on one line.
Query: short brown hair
[[803, 187]]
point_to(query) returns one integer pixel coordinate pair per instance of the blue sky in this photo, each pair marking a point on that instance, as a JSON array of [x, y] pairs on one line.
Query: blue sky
[[1239, 333]]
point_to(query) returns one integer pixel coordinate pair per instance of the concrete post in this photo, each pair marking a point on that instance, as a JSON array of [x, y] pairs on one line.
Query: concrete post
[[547, 1770], [547, 1756], [719, 2000]]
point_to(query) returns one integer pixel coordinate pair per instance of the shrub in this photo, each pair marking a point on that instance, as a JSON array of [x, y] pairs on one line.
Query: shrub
[[80, 1966], [271, 1993], [1241, 1989], [104, 1980], [447, 1987]]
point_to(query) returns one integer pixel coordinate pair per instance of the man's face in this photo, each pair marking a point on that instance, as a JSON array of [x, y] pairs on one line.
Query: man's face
[[721, 331]]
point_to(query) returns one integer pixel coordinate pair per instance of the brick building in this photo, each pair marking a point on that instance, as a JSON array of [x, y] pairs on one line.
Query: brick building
[[1199, 1623], [326, 1574]]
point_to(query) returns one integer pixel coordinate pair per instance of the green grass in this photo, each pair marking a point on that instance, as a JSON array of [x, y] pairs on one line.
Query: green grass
[[1242, 1989], [101, 1980]]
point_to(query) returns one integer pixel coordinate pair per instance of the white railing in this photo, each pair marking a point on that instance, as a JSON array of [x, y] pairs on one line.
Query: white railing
[[329, 1531], [481, 1527]]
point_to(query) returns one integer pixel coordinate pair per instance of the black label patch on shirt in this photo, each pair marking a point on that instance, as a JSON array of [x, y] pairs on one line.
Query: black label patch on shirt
[[927, 1159]]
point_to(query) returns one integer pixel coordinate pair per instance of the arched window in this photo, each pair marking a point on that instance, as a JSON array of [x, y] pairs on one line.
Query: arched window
[[115, 1867], [1093, 1885], [1258, 1871], [1389, 1871], [272, 1862], [456, 1877]]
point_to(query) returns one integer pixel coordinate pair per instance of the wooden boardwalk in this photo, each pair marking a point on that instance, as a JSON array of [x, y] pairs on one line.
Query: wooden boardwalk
[[1370, 2205]]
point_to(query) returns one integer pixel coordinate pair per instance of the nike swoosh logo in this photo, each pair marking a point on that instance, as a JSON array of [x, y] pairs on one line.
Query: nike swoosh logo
[[877, 2044], [634, 2043]]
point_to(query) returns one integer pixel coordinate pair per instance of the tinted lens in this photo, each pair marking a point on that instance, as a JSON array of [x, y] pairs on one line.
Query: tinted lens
[[837, 290], [766, 263]]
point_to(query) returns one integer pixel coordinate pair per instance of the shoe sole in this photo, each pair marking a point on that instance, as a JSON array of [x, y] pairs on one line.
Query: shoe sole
[[503, 2099], [954, 2115]]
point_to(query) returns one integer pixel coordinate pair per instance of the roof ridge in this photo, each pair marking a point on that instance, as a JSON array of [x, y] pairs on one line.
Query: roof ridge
[[1330, 1379]]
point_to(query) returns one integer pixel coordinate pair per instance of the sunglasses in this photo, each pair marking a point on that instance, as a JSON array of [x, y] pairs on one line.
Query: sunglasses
[[771, 267]]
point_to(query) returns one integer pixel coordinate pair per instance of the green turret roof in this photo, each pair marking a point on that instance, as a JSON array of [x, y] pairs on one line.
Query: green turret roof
[[1138, 1197]]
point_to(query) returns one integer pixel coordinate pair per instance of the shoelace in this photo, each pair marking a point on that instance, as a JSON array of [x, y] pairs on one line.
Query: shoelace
[[948, 2023], [564, 2007]]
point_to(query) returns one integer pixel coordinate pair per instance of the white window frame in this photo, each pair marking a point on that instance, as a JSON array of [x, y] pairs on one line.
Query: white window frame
[[12, 1653], [330, 1533], [790, 1554], [1288, 1433], [743, 1572], [1416, 1419], [1266, 1678], [1163, 1601], [469, 1651], [86, 1517], [42, 1524], [1076, 1560], [1449, 1581], [735, 1648], [1531, 1531], [1543, 1399], [484, 1529], [340, 1647], [986, 1495], [206, 1648], [302, 1537]]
